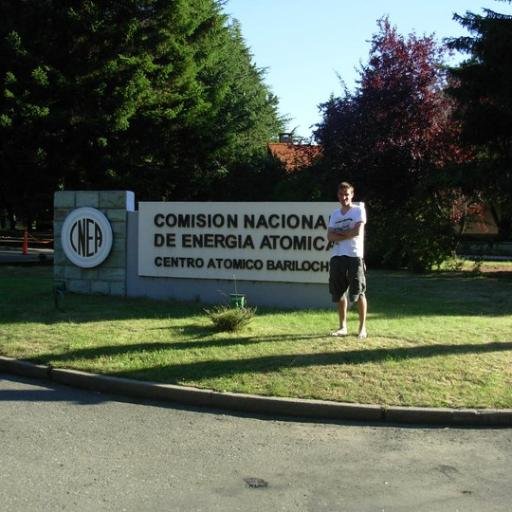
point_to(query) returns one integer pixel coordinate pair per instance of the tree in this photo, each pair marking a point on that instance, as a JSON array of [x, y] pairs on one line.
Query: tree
[[393, 138], [481, 86], [159, 96], [24, 109]]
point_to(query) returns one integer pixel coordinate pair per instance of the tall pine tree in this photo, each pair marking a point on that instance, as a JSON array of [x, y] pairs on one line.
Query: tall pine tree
[[158, 96], [482, 87]]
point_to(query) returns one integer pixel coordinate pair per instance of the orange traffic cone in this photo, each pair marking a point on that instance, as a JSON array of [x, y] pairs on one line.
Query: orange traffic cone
[[24, 248]]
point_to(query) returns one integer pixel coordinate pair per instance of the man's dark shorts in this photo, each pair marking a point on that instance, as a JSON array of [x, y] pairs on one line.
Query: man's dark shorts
[[346, 273]]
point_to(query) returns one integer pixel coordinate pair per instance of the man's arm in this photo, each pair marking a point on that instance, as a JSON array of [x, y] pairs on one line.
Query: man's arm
[[335, 236]]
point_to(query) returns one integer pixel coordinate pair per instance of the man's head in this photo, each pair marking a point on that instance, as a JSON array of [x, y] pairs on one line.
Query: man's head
[[345, 193]]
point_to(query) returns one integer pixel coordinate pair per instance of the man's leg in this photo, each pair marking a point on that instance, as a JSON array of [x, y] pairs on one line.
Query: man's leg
[[337, 285], [362, 307], [357, 292], [342, 314], [342, 311]]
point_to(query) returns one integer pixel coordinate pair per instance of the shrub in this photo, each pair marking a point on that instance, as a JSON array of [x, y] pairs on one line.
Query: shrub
[[229, 319], [419, 235]]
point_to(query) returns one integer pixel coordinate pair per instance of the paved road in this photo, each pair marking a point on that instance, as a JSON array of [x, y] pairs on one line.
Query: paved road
[[67, 449], [10, 256]]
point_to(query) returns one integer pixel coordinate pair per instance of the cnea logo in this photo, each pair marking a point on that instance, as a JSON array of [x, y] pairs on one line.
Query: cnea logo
[[86, 237]]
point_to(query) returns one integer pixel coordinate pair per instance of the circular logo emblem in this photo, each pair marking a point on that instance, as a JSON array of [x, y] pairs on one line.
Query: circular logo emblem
[[86, 237]]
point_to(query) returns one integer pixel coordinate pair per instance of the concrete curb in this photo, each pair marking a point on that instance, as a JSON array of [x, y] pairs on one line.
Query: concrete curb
[[298, 408]]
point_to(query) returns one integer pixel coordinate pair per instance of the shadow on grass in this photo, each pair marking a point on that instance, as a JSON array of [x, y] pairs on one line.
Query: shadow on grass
[[82, 309], [391, 294], [197, 333], [141, 348], [172, 373]]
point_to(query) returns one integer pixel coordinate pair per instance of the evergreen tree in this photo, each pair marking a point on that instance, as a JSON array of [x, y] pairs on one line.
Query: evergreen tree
[[158, 96], [482, 88]]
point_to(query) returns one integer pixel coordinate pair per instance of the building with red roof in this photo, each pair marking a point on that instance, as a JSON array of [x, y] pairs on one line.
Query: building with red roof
[[293, 155]]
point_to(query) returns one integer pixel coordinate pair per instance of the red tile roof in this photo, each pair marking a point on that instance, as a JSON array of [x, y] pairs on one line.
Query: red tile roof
[[479, 220], [294, 156]]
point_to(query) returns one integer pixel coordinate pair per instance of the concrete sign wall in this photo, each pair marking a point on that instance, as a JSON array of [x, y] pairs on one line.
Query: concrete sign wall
[[263, 241], [90, 240], [275, 253]]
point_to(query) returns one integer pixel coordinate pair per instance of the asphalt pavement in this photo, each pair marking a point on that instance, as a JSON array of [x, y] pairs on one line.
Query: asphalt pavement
[[34, 256], [70, 449]]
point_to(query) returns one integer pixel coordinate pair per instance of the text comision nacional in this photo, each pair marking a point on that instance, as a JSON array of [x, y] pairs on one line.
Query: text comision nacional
[[250, 241]]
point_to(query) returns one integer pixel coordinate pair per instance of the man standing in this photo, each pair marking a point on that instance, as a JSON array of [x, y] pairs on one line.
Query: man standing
[[347, 282]]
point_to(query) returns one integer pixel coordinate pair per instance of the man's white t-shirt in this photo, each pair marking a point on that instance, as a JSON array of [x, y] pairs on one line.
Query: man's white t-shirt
[[340, 221]]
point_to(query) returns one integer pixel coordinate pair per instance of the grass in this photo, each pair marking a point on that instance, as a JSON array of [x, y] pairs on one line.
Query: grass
[[443, 339]]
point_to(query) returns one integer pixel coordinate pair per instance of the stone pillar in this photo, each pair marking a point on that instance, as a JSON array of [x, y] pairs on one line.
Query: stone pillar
[[108, 278]]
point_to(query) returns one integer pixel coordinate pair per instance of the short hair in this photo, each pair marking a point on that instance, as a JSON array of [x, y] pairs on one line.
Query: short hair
[[346, 184]]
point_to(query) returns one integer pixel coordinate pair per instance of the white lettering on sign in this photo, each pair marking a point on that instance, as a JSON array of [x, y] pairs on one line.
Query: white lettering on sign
[[255, 241]]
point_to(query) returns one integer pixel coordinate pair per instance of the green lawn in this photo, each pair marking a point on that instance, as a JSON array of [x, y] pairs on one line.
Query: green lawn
[[443, 339]]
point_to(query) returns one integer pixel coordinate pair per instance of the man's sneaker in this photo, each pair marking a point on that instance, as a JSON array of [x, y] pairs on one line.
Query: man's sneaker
[[340, 332], [362, 335]]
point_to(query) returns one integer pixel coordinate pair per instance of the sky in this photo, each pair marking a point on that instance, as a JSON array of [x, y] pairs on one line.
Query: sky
[[307, 45]]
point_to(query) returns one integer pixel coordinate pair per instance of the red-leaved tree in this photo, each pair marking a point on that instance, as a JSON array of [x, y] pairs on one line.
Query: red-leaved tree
[[395, 139]]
